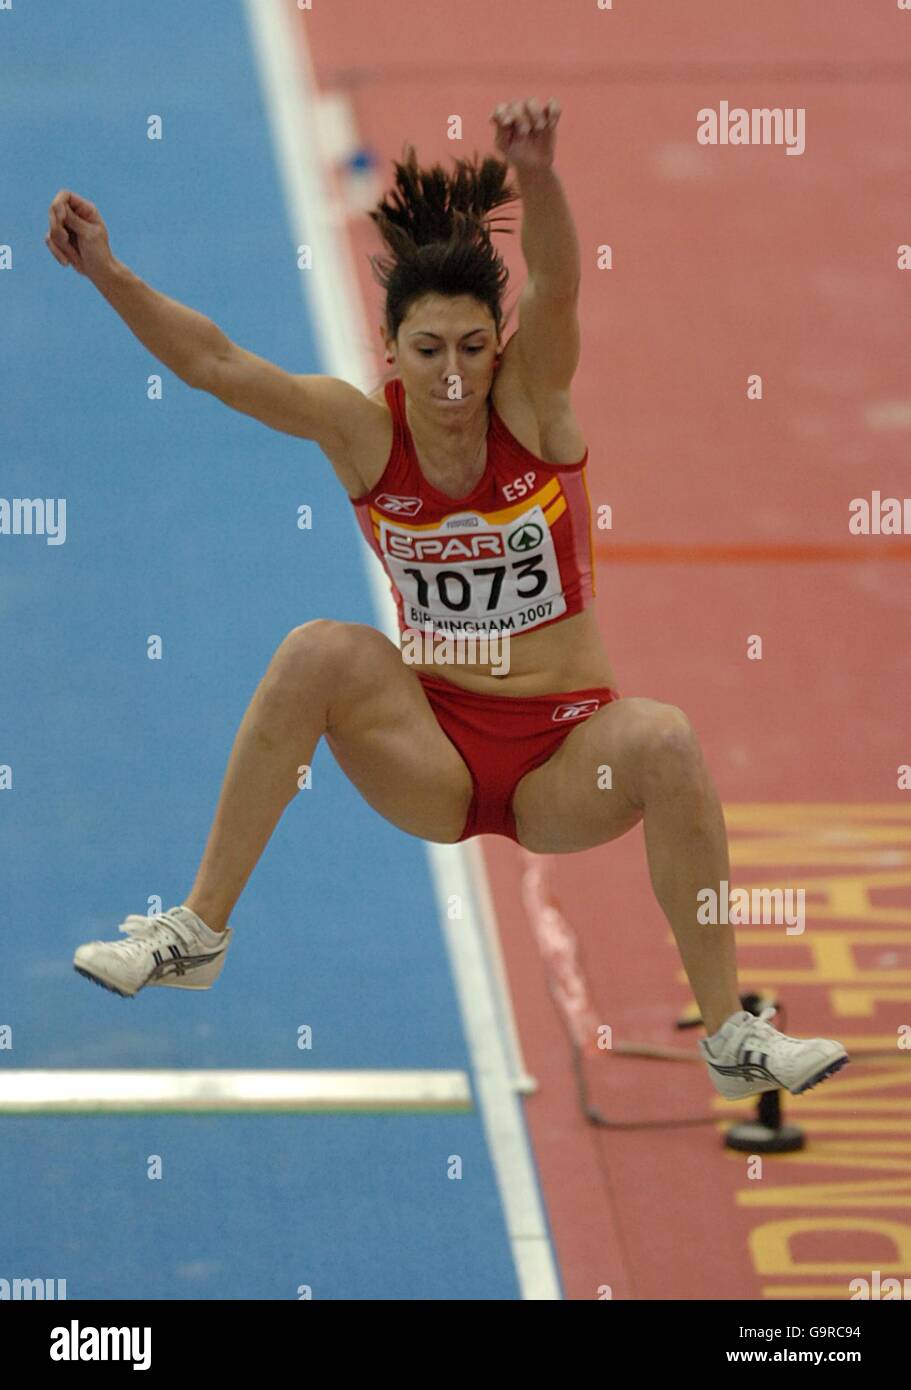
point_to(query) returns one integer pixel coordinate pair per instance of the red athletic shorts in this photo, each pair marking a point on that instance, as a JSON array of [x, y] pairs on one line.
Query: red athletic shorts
[[501, 737]]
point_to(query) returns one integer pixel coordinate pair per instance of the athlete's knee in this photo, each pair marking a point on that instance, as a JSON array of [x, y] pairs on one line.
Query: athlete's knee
[[318, 646], [670, 746], [342, 664], [304, 662]]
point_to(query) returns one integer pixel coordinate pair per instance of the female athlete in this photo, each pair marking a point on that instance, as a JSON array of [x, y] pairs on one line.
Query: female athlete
[[466, 470]]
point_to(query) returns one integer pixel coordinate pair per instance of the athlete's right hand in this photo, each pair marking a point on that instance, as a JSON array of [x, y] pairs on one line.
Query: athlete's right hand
[[77, 235]]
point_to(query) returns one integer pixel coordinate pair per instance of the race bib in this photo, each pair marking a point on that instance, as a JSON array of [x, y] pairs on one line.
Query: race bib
[[471, 574]]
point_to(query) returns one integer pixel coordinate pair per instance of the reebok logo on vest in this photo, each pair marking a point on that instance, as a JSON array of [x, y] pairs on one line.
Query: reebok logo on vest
[[399, 506]]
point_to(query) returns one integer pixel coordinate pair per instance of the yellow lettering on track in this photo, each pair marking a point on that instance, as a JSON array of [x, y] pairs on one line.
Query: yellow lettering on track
[[854, 863]]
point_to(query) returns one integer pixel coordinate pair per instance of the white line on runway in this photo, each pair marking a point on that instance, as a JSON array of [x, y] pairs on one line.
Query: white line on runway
[[136, 1090]]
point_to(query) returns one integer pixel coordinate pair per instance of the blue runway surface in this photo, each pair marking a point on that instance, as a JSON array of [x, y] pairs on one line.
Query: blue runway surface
[[182, 524]]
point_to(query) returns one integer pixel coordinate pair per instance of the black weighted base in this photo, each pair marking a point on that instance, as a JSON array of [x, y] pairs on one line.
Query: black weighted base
[[760, 1139], [766, 1134]]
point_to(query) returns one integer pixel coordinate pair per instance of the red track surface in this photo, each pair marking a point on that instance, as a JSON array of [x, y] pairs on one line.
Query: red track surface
[[727, 261]]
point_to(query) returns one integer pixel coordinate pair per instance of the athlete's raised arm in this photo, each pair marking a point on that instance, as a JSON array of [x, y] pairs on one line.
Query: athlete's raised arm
[[321, 408], [548, 333]]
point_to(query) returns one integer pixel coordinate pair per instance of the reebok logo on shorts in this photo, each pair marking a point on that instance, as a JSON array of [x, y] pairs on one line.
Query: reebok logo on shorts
[[575, 711], [399, 506]]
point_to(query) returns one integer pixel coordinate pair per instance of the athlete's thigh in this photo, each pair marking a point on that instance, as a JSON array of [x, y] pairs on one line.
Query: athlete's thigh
[[385, 737], [591, 790]]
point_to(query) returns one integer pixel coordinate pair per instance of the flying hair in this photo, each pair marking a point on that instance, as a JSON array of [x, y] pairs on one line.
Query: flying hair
[[437, 229]]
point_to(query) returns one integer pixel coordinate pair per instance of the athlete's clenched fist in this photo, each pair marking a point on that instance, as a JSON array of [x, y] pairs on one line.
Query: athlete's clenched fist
[[77, 235]]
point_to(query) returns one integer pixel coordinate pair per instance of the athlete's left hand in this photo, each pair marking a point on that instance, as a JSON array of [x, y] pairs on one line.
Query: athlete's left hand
[[526, 132]]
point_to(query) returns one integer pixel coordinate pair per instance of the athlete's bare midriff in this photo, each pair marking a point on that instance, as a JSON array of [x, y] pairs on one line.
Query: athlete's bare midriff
[[563, 656]]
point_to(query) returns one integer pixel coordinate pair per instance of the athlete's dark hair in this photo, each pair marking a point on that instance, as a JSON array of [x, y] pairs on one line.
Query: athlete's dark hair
[[437, 229]]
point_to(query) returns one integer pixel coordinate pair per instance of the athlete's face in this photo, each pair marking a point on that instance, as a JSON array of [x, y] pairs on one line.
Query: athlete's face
[[446, 348]]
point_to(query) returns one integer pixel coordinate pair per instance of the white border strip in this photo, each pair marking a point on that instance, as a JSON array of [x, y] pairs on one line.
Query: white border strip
[[64, 1091], [477, 873], [318, 219]]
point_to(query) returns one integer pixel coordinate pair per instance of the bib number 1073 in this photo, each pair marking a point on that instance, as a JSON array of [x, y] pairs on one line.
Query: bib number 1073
[[454, 589]]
